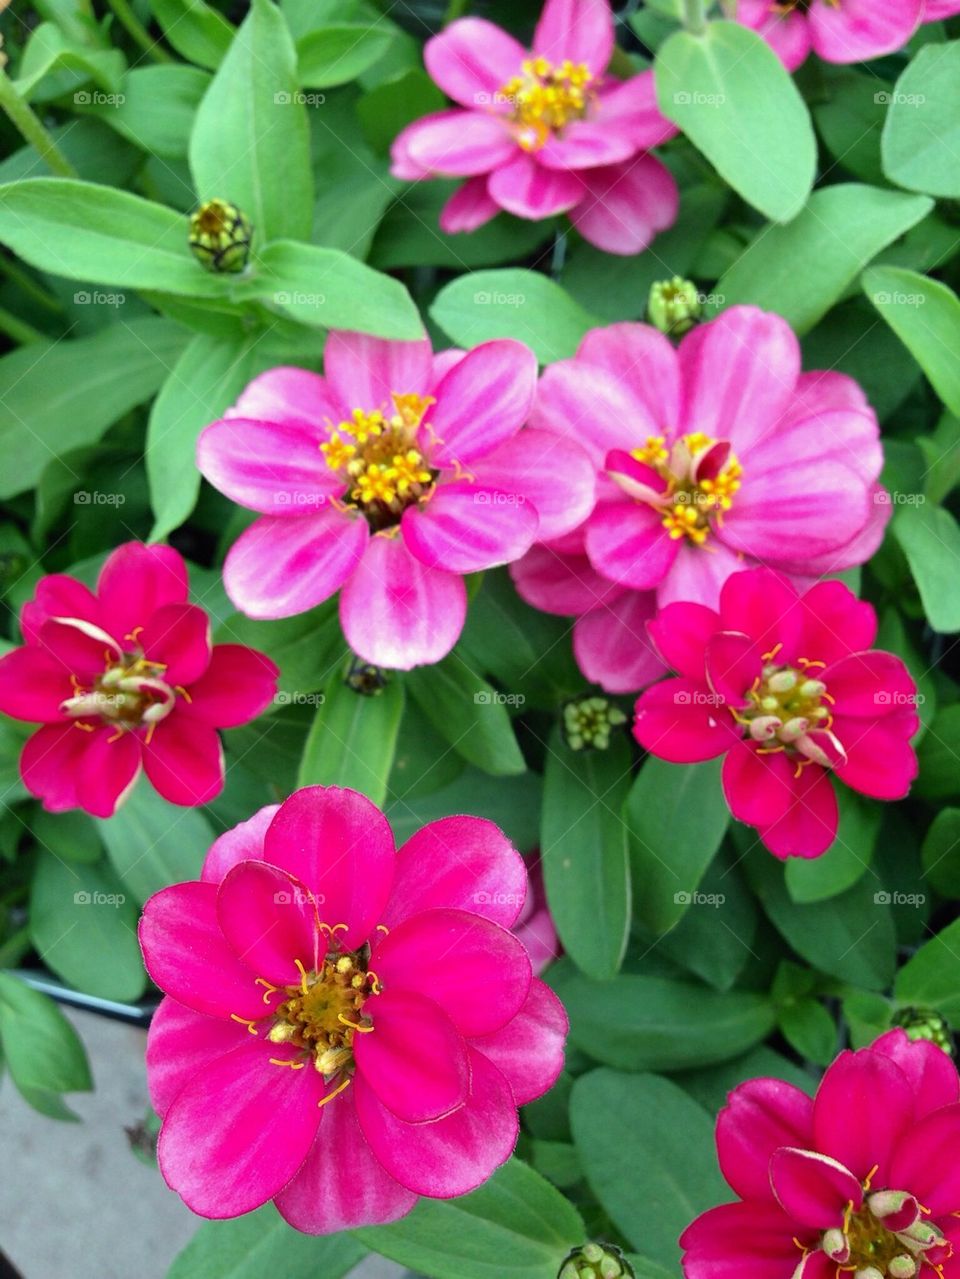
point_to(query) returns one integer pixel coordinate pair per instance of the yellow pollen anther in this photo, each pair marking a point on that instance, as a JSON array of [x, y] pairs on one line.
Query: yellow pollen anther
[[245, 1021], [546, 98], [691, 502], [336, 1092], [293, 1065], [363, 1030], [653, 452]]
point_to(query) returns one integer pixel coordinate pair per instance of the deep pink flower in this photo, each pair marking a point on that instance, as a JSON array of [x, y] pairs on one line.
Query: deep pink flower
[[391, 476], [862, 1181], [124, 677], [788, 688], [346, 1026], [838, 30], [545, 131], [534, 925], [716, 455]]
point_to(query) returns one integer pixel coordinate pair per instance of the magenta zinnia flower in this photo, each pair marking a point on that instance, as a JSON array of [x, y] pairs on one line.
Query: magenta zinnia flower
[[391, 476], [787, 687], [862, 1180], [716, 455], [346, 1026], [124, 677], [545, 131]]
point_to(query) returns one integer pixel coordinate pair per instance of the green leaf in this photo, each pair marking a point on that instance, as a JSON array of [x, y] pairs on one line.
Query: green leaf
[[41, 1049], [516, 1226], [512, 803], [715, 941], [847, 859], [327, 288], [250, 142], [165, 133], [652, 1023], [306, 647], [88, 232], [470, 714], [930, 538], [802, 269], [676, 819], [153, 843], [195, 29], [424, 762], [921, 137], [932, 977], [85, 927], [337, 54], [583, 845], [388, 108], [49, 51], [70, 836], [736, 102], [810, 1030], [941, 852], [938, 752], [62, 395], [925, 315], [647, 1151], [353, 739], [249, 1247], [851, 120], [512, 304]]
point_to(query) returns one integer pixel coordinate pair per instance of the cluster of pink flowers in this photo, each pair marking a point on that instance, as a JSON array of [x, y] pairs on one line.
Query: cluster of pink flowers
[[862, 1179], [346, 1026]]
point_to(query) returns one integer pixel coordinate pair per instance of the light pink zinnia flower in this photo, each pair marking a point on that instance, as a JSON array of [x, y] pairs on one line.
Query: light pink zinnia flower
[[391, 476], [862, 1180], [544, 132], [125, 677], [346, 1026], [787, 687], [716, 455], [838, 30]]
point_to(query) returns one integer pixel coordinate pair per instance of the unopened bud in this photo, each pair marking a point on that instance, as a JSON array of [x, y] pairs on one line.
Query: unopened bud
[[812, 688], [925, 1023], [895, 1208], [674, 306], [902, 1267], [835, 1245], [868, 1272], [220, 237], [793, 729], [782, 681], [588, 722], [596, 1261], [764, 727]]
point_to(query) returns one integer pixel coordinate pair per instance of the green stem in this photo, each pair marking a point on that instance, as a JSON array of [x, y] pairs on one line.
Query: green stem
[[137, 32], [695, 16], [18, 329], [32, 129], [28, 285]]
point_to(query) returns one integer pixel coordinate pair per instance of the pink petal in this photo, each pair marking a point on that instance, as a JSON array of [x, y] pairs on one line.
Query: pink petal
[[678, 720], [699, 573], [340, 846], [925, 1160], [178, 636], [365, 372], [630, 107], [759, 789], [812, 1188], [458, 144], [809, 826], [280, 567], [359, 1193], [188, 957], [271, 467], [862, 1109], [414, 1060], [861, 30], [450, 1156], [733, 665], [82, 648], [239, 1130], [625, 205], [585, 404], [179, 1044], [396, 612], [237, 685], [291, 397], [32, 685], [467, 527], [612, 645], [528, 190], [50, 765], [269, 920], [553, 474], [107, 770], [835, 622], [880, 761], [184, 760], [763, 605], [482, 401], [641, 358], [581, 30], [932, 1074], [744, 1241], [626, 541], [471, 206], [243, 842], [464, 863], [818, 426], [681, 633], [587, 144], [58, 596], [869, 685], [479, 974], [135, 581], [564, 584], [528, 1051], [760, 1116], [788, 34], [859, 549], [471, 60]]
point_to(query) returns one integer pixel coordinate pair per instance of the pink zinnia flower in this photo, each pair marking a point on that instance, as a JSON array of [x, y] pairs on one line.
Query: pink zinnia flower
[[787, 687], [545, 131], [124, 677], [347, 1027], [862, 1180], [391, 476], [838, 30], [716, 455]]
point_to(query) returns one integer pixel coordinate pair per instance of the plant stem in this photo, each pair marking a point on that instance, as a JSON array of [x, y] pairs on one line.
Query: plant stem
[[32, 128], [695, 16], [19, 330], [137, 32]]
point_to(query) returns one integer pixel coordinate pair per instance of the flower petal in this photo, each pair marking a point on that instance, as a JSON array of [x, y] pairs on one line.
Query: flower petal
[[559, 583], [625, 205], [679, 720], [585, 404], [184, 760], [57, 595], [925, 1160], [457, 144], [237, 685], [698, 574], [50, 765], [733, 664], [552, 473], [135, 581], [178, 636], [243, 842], [765, 606], [760, 1116], [84, 650], [471, 60], [107, 770], [745, 1241], [869, 685], [270, 921], [862, 1109], [180, 1043], [528, 1051], [644, 360], [880, 762], [291, 397], [32, 685], [581, 30], [626, 541], [612, 645], [471, 206], [482, 401], [861, 30], [681, 633], [812, 1188], [809, 825], [932, 1074], [467, 527], [759, 789], [835, 622], [528, 190], [271, 467], [365, 372]]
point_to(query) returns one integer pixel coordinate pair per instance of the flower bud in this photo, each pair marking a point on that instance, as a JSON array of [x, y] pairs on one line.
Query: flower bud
[[902, 1267], [366, 679], [895, 1208], [596, 1261], [674, 306], [835, 1245], [782, 681], [587, 722], [220, 237], [925, 1023]]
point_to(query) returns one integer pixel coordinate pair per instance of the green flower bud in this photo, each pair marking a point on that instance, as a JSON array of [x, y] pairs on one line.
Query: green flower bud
[[365, 679], [926, 1023], [674, 306], [596, 1261], [588, 721], [220, 237]]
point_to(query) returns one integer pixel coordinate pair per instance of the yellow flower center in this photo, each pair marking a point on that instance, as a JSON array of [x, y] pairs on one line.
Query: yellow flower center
[[546, 98], [322, 1015], [692, 501], [131, 693]]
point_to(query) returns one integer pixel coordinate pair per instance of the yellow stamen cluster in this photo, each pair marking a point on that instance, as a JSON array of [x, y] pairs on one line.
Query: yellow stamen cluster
[[379, 457], [323, 1013], [691, 502], [653, 452], [545, 98], [129, 694]]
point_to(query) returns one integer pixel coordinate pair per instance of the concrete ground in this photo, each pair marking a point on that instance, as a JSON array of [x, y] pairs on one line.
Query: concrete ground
[[74, 1200]]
